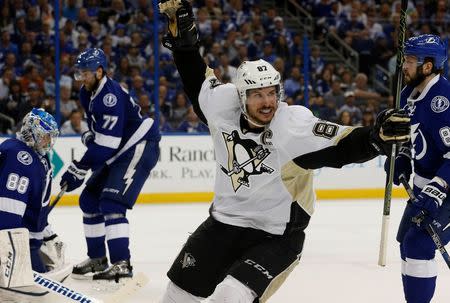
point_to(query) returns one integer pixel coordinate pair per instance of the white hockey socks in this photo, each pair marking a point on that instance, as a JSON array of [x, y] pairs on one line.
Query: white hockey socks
[[231, 290], [174, 294]]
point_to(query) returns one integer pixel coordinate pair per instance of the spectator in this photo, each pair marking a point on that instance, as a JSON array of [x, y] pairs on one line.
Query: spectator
[[350, 107], [180, 109], [324, 82], [226, 69], [67, 105], [165, 106], [146, 107], [292, 84], [70, 10], [368, 118], [74, 125], [192, 123], [33, 99], [5, 80], [6, 46], [320, 109], [345, 118], [335, 95], [316, 62], [31, 75], [362, 90], [268, 52]]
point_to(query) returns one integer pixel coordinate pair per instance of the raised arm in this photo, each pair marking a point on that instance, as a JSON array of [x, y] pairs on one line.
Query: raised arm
[[182, 40]]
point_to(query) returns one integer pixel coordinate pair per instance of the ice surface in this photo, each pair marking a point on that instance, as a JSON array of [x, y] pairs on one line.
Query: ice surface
[[339, 262]]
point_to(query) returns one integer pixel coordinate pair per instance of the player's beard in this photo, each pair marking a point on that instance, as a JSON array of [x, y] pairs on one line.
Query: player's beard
[[94, 86], [418, 78]]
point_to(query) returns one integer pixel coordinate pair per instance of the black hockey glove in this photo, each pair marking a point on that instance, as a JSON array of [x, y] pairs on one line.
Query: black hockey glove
[[392, 126], [182, 33]]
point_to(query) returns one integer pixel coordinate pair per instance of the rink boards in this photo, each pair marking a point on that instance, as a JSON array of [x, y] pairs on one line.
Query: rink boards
[[186, 169]]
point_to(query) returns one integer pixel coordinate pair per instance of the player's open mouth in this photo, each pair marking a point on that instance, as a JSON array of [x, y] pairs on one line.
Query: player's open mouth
[[265, 111]]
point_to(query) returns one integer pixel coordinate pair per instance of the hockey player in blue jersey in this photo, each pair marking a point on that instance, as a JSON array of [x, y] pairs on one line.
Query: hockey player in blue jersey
[[25, 182], [426, 98], [122, 148]]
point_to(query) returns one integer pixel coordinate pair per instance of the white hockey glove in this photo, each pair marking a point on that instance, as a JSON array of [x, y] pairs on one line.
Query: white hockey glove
[[53, 252]]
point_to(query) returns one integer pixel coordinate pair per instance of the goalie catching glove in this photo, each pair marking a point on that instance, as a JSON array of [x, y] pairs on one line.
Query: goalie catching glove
[[182, 33], [392, 126]]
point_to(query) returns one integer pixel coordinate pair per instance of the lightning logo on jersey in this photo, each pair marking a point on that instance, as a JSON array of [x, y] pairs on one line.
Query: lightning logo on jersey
[[245, 158]]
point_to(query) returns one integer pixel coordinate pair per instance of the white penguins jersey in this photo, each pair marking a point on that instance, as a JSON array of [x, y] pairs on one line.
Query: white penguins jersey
[[255, 176]]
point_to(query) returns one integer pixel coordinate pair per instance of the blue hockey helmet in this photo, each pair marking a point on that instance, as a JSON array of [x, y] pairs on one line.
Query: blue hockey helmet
[[90, 60], [427, 46], [39, 130]]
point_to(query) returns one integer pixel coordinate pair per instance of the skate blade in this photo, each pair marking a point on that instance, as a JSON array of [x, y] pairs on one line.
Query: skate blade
[[87, 277], [109, 285]]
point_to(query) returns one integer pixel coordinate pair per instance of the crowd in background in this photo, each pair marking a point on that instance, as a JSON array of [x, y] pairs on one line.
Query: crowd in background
[[230, 32]]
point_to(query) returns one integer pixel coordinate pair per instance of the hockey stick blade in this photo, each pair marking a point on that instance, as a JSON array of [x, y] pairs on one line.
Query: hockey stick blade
[[62, 290], [130, 287]]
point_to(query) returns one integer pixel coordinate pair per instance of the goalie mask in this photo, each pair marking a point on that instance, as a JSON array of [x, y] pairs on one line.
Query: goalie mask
[[253, 75], [39, 130]]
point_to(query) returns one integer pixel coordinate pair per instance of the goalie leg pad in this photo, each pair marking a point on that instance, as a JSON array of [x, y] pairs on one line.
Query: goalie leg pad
[[15, 261]]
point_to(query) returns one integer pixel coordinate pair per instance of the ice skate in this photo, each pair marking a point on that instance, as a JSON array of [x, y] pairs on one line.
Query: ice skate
[[119, 270], [89, 266]]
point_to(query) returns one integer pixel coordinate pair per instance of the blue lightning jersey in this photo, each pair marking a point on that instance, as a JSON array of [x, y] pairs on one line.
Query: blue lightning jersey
[[116, 122], [430, 129], [25, 186]]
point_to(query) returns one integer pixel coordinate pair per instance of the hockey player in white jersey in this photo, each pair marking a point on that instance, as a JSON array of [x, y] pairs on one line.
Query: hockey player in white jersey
[[265, 152], [426, 99]]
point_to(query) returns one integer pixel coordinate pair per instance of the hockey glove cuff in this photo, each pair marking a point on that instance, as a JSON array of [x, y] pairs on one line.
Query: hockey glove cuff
[[74, 176], [392, 126], [182, 33], [87, 137]]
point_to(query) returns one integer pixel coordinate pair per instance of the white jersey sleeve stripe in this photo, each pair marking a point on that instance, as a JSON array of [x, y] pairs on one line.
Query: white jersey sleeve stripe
[[107, 141], [12, 206], [94, 230], [117, 231]]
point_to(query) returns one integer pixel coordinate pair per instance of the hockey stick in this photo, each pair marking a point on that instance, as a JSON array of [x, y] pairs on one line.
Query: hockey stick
[[390, 178], [137, 282], [429, 228]]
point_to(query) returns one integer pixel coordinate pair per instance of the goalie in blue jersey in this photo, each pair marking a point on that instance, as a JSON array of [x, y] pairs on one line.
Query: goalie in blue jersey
[[25, 187], [122, 148], [426, 99]]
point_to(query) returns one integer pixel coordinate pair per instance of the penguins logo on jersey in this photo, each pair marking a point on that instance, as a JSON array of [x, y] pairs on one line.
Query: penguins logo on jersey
[[439, 104], [245, 158], [24, 157]]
